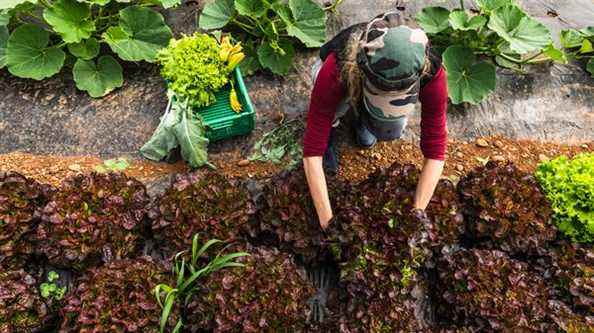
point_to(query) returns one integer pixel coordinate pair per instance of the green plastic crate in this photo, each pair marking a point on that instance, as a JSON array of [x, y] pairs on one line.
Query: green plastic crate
[[220, 119]]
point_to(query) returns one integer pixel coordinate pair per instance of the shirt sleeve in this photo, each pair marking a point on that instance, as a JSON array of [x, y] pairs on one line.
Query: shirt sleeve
[[327, 94], [434, 104]]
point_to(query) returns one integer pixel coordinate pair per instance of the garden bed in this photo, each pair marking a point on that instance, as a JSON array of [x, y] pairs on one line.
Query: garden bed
[[473, 262]]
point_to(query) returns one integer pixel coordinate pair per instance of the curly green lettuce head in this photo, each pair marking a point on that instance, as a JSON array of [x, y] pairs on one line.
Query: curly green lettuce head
[[194, 69], [569, 185]]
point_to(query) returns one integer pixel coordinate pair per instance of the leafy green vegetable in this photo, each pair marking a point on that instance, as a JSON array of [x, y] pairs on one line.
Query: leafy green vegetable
[[70, 19], [141, 33], [179, 126], [271, 28], [86, 50], [434, 19], [569, 185], [523, 33], [163, 140], [468, 80], [29, 55], [190, 134], [194, 69], [98, 79]]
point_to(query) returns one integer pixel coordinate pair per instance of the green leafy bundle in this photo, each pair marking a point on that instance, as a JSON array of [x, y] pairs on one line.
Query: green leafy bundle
[[92, 217], [180, 127], [579, 45], [21, 201], [569, 185], [194, 68], [499, 32], [268, 29], [44, 34], [22, 309], [117, 297]]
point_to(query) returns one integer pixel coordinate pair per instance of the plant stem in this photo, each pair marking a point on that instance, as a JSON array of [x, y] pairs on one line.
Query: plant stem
[[45, 3], [527, 61], [246, 27], [462, 4], [514, 60]]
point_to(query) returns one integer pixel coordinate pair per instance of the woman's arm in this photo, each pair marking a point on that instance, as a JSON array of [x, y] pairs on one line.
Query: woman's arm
[[325, 98], [318, 189], [430, 176], [434, 135]]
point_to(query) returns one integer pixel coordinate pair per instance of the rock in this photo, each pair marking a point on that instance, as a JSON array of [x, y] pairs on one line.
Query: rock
[[498, 158], [482, 143], [543, 157], [498, 144], [460, 167], [243, 163], [75, 167]]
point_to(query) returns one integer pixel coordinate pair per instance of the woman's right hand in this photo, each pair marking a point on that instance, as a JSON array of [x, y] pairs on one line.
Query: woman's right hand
[[316, 180]]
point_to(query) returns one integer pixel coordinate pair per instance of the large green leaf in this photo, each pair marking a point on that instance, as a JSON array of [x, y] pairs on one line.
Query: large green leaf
[[70, 19], [588, 32], [4, 17], [555, 54], [460, 20], [163, 140], [141, 33], [273, 59], [523, 33], [468, 80], [307, 22], [488, 6], [252, 8], [192, 141], [571, 38], [9, 4], [86, 50], [434, 19], [590, 66], [216, 14], [3, 41], [98, 79], [28, 54]]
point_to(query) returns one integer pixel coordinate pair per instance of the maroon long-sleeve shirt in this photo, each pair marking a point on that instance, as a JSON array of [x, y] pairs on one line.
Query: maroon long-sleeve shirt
[[329, 91]]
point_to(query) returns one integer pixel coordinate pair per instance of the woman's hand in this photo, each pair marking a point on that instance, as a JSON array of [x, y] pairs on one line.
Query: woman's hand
[[316, 179], [432, 170]]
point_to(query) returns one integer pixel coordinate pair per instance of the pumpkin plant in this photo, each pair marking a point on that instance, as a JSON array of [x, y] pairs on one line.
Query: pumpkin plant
[[578, 45], [268, 29], [39, 38], [472, 42]]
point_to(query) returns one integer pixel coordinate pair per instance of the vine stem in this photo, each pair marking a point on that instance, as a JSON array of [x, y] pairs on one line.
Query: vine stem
[[45, 3], [462, 4], [248, 28]]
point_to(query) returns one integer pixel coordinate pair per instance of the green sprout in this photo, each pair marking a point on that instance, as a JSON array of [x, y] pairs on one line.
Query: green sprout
[[50, 289]]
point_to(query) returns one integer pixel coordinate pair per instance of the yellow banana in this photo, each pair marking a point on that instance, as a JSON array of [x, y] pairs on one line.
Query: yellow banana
[[234, 60], [235, 105]]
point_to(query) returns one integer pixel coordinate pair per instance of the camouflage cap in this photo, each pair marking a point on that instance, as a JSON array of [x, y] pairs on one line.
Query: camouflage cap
[[392, 57]]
